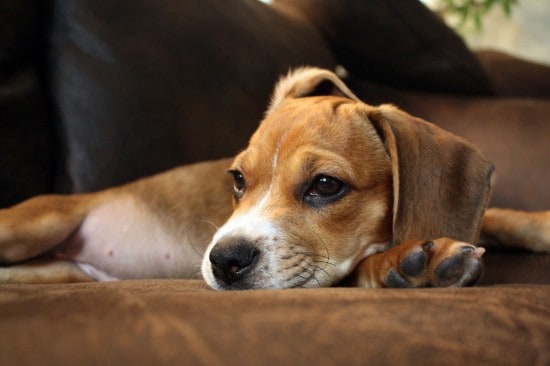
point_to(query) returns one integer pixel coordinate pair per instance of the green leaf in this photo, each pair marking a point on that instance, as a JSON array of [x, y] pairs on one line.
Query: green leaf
[[477, 20]]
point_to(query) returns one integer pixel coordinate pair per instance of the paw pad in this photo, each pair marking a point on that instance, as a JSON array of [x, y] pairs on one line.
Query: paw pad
[[415, 263], [464, 268], [441, 263], [395, 280], [411, 268]]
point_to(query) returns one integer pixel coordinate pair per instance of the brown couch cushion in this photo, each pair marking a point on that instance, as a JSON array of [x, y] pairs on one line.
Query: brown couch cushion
[[507, 266], [143, 86], [396, 42], [160, 322]]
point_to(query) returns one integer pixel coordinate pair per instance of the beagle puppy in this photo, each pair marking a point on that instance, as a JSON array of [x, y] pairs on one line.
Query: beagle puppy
[[330, 190]]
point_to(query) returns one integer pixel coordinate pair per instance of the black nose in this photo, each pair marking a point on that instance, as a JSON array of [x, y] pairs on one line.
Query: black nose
[[232, 260]]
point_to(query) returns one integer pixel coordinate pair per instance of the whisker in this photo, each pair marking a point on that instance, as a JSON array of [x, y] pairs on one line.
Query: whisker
[[306, 279], [322, 241], [311, 274], [300, 284], [320, 269], [205, 220], [195, 246], [311, 255], [198, 274]]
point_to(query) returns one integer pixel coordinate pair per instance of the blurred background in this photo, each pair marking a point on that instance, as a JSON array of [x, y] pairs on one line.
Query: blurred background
[[518, 27]]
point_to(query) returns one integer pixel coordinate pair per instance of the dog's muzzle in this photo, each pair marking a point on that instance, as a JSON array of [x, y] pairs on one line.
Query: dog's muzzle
[[233, 261]]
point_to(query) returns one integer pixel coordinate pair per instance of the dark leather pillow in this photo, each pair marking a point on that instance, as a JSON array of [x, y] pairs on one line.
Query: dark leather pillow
[[26, 136], [515, 77], [396, 42], [142, 86]]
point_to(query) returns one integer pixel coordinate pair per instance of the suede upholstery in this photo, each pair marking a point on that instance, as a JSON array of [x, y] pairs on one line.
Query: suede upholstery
[[182, 322], [97, 93]]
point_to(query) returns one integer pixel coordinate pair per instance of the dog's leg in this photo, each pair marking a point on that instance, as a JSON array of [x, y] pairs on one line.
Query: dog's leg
[[39, 224], [518, 229], [43, 271], [440, 263], [153, 228]]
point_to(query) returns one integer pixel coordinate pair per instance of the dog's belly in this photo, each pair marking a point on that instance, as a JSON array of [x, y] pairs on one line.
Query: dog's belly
[[122, 239]]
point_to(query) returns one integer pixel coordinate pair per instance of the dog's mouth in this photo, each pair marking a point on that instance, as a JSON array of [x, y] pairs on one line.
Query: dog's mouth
[[243, 266]]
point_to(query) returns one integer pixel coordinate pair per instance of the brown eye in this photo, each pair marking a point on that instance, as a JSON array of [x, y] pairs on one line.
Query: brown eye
[[239, 184], [325, 186], [324, 190]]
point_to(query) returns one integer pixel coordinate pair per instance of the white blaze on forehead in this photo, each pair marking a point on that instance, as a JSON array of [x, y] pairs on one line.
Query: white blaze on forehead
[[275, 158], [253, 222], [250, 224]]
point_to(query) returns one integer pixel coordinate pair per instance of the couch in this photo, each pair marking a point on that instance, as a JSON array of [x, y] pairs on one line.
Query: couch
[[98, 93]]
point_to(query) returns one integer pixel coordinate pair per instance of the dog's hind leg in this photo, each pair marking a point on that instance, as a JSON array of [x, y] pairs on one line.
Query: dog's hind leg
[[43, 270], [39, 224], [517, 229]]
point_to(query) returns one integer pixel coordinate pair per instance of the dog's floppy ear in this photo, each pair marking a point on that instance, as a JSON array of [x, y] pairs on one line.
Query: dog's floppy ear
[[441, 183], [308, 82]]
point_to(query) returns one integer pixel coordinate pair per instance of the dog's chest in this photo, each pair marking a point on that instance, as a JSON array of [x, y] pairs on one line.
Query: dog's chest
[[122, 240]]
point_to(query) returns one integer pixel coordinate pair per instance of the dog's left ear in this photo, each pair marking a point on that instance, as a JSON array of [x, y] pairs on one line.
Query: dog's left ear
[[308, 82], [441, 183]]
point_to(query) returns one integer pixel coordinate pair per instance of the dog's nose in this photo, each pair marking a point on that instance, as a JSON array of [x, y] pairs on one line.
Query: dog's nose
[[231, 261]]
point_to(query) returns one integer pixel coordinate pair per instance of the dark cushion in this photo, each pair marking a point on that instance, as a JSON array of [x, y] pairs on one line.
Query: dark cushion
[[397, 42], [513, 76], [507, 266], [142, 86], [26, 136], [175, 322]]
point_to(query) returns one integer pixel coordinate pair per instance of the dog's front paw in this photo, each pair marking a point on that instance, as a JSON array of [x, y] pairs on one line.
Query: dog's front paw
[[440, 263], [455, 263], [410, 269]]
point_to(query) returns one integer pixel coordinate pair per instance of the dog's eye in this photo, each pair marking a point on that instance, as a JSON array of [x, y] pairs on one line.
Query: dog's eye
[[239, 184], [325, 186], [324, 190]]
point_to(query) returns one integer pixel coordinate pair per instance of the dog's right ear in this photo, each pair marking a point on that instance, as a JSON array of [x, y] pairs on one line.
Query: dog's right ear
[[308, 82]]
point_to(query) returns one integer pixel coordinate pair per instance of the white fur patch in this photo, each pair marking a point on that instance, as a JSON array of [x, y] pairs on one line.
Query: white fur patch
[[347, 265], [95, 273], [121, 239], [250, 225]]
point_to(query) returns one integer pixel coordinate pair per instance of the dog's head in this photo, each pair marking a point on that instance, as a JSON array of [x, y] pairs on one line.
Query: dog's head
[[327, 180]]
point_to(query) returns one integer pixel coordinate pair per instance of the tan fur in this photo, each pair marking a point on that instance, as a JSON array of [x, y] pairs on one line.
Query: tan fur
[[186, 204], [335, 144], [44, 271], [527, 230], [409, 182], [303, 82]]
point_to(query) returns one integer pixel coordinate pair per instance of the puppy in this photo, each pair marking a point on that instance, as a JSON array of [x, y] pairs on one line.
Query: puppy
[[329, 190]]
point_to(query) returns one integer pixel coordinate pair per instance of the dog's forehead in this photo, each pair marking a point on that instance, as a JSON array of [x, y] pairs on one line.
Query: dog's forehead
[[303, 121], [306, 134]]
